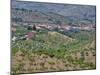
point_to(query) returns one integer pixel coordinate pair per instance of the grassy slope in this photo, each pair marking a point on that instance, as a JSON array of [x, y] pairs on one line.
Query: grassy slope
[[56, 46]]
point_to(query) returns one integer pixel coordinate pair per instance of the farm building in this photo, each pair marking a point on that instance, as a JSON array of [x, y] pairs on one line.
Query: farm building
[[31, 35]]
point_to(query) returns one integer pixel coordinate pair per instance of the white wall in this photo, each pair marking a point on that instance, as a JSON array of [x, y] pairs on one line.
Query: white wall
[[5, 37]]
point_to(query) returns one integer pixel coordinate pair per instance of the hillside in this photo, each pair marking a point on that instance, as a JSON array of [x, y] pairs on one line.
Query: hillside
[[23, 15], [52, 37], [51, 12], [55, 52]]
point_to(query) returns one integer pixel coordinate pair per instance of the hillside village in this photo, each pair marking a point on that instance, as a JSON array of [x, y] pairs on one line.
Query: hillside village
[[49, 27], [62, 37]]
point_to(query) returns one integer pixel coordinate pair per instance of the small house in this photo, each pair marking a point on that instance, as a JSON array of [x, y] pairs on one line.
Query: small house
[[31, 35]]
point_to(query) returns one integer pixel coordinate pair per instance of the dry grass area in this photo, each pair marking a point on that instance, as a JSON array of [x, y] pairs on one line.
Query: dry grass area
[[22, 63]]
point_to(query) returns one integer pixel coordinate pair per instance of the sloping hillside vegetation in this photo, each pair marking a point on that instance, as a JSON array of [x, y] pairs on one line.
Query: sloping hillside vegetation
[[55, 52], [50, 37]]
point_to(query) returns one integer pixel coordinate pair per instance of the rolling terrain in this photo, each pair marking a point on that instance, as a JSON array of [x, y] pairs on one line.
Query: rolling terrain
[[51, 37], [74, 14]]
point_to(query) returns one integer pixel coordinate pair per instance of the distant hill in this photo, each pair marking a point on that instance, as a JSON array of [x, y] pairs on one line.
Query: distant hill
[[36, 16], [51, 12]]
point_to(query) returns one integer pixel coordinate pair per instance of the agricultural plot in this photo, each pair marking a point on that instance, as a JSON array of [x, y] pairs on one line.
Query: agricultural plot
[[44, 41]]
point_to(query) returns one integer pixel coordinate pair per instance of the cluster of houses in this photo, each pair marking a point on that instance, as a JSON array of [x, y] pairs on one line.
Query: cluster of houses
[[28, 36], [65, 27], [35, 27]]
